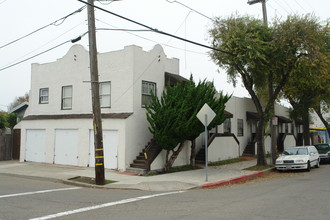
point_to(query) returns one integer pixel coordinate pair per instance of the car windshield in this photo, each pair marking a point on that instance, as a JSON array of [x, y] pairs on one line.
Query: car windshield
[[322, 146], [296, 151]]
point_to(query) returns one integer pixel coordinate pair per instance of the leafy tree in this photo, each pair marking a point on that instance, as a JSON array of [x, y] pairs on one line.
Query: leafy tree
[[173, 118], [310, 86], [263, 57], [3, 121], [7, 120], [19, 100], [11, 120]]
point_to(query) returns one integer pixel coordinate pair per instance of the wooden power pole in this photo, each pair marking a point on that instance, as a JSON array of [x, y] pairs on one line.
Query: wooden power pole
[[97, 121]]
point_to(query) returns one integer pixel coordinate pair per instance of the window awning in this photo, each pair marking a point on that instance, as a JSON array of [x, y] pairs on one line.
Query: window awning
[[228, 114], [255, 117], [282, 119], [172, 79], [252, 116]]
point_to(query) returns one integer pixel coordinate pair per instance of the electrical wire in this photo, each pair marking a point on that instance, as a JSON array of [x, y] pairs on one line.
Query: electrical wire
[[39, 29], [108, 3], [72, 41], [282, 7], [3, 1], [156, 30], [46, 43], [300, 6], [121, 29], [144, 38], [191, 9], [288, 6], [276, 11]]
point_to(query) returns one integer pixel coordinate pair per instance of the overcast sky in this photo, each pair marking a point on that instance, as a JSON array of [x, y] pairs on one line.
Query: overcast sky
[[189, 19]]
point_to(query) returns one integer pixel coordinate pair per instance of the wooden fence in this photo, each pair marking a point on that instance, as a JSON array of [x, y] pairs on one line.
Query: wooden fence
[[6, 145]]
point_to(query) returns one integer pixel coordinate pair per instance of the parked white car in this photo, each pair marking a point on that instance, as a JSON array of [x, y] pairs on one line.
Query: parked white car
[[303, 157]]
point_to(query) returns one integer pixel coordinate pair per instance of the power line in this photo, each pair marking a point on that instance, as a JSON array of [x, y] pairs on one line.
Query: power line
[[144, 38], [45, 44], [3, 1], [174, 1], [22, 61], [39, 29], [282, 7], [300, 6], [156, 30]]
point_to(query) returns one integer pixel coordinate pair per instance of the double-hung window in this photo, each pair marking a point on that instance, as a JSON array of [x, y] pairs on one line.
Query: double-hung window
[[67, 97], [43, 96], [148, 88], [240, 127], [227, 126], [105, 91]]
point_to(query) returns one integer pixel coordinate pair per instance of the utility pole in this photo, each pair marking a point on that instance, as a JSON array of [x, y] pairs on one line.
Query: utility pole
[[273, 120], [97, 121], [264, 9]]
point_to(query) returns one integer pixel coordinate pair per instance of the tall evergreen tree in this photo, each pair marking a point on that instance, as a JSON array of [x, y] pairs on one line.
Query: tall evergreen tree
[[173, 118]]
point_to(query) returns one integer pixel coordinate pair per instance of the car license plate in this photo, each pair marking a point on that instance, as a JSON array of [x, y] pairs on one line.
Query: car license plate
[[288, 166]]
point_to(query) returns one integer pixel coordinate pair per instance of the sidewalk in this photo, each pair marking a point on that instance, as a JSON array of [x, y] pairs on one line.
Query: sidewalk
[[217, 175]]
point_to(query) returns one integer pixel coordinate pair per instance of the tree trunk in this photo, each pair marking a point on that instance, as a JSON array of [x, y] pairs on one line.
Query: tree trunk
[[169, 162], [193, 153], [306, 134], [166, 161], [261, 161]]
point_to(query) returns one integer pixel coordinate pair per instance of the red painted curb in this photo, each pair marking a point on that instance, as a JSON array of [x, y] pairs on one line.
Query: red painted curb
[[234, 180]]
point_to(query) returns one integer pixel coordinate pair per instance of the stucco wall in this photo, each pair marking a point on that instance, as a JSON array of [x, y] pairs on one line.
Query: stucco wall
[[223, 148], [83, 126], [125, 69], [182, 159]]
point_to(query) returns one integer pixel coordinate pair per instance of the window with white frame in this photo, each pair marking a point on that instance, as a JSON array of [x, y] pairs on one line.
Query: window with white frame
[[43, 96], [240, 128], [227, 126], [67, 97], [148, 88], [105, 98]]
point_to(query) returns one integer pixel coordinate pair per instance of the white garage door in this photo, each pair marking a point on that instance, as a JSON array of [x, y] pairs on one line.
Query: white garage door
[[66, 147], [110, 146], [35, 145]]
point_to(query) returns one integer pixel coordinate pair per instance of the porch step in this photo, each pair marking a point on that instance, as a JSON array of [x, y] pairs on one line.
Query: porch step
[[146, 156], [138, 171], [249, 149], [200, 156]]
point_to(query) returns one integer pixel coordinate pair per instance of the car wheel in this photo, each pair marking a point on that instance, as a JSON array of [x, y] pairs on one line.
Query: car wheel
[[317, 164], [308, 166]]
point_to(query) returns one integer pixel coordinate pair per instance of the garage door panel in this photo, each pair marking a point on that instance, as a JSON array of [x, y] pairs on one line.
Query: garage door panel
[[35, 145], [110, 146], [66, 147]]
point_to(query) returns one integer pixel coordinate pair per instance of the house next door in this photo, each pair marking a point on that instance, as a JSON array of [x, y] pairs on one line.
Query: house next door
[[35, 149], [110, 146], [66, 147]]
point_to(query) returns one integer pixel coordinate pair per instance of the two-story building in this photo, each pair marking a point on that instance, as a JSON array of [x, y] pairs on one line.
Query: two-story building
[[58, 125]]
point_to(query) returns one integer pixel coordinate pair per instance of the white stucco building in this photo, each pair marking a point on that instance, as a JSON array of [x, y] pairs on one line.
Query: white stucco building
[[57, 127]]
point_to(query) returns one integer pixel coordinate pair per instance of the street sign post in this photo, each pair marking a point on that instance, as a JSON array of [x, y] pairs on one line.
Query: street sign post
[[206, 115]]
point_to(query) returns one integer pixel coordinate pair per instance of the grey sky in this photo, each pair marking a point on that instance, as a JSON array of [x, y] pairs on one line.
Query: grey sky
[[20, 17]]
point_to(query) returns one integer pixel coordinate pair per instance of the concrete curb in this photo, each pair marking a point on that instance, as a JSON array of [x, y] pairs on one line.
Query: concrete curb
[[237, 179]]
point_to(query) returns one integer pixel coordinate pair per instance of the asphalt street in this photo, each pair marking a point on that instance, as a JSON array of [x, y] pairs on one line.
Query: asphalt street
[[288, 195]]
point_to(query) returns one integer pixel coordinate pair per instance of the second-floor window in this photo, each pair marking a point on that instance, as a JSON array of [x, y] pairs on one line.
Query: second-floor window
[[105, 98], [240, 128], [43, 96], [67, 97], [148, 88]]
